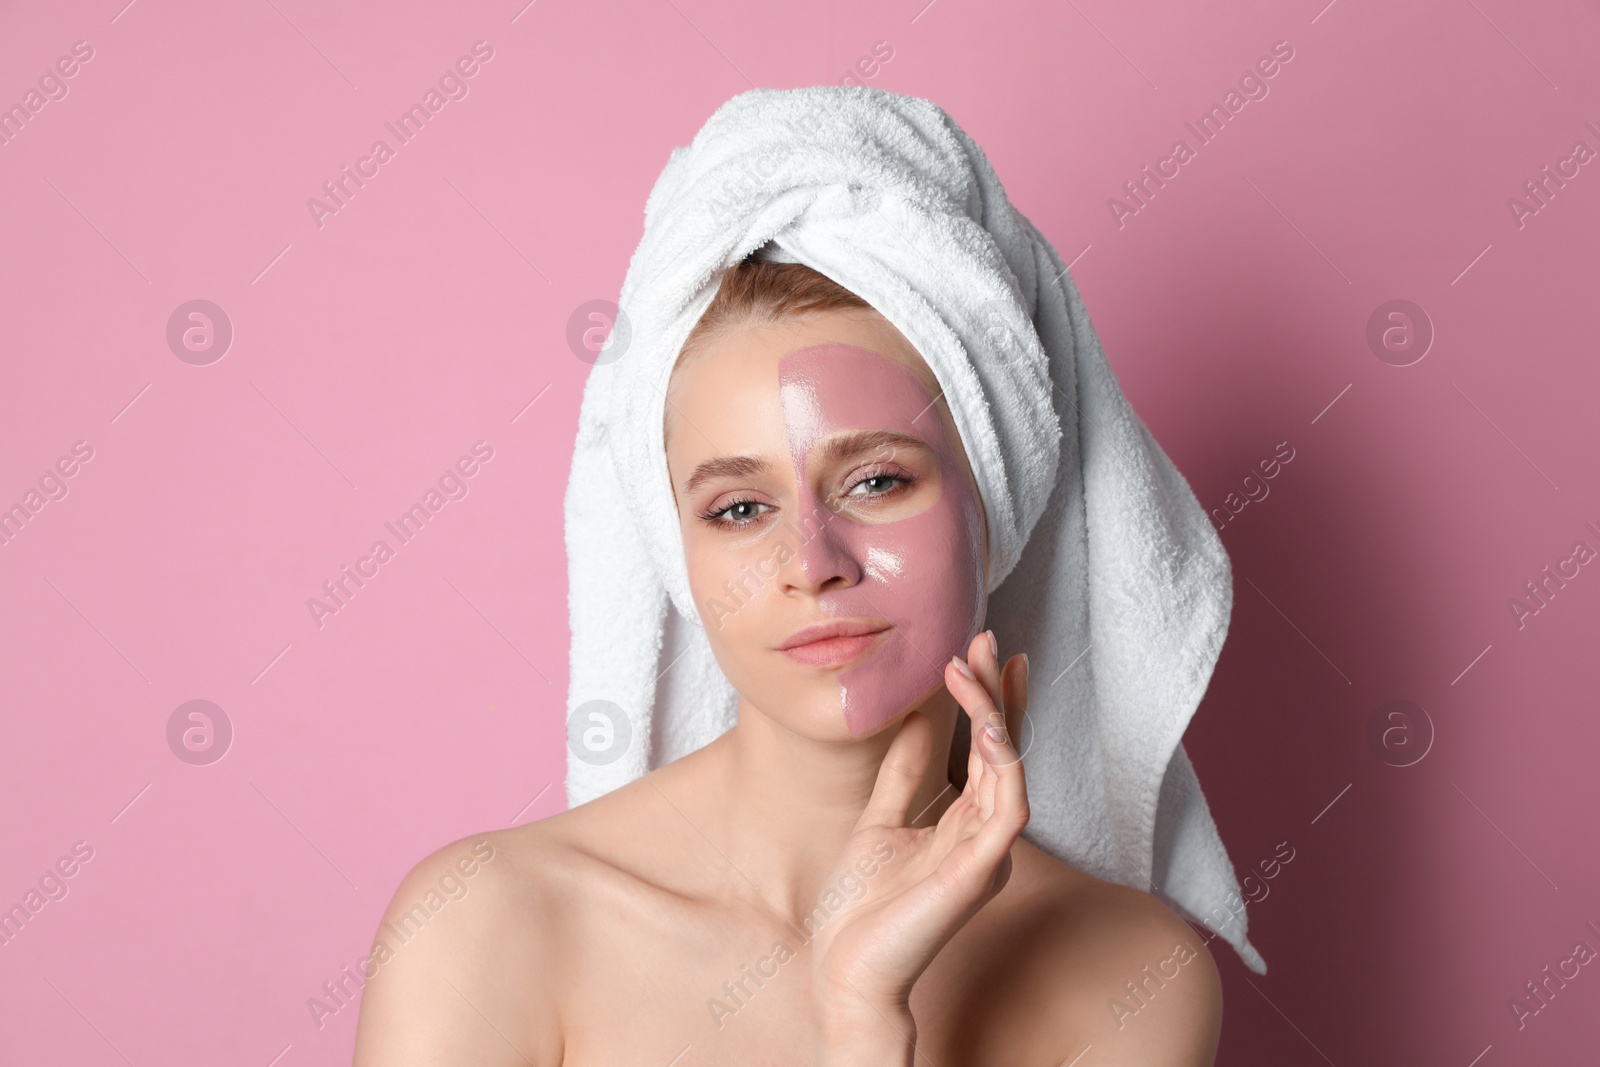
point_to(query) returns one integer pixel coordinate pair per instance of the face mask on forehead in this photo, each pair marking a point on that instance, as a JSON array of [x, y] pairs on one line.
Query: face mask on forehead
[[922, 573]]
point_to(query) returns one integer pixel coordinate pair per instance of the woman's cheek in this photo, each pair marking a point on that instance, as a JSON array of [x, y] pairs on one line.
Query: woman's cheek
[[923, 574], [715, 593], [735, 586]]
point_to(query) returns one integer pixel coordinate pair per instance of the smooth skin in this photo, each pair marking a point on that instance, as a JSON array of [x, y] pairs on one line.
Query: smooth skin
[[608, 934]]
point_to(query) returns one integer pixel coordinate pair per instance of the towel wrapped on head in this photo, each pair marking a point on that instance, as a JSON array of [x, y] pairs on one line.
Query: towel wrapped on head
[[1102, 565]]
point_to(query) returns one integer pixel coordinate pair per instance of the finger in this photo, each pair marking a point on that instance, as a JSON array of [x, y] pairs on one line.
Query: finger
[[980, 707], [983, 656], [900, 774], [1014, 693], [1009, 813], [976, 768], [985, 662], [970, 692], [974, 760], [975, 870]]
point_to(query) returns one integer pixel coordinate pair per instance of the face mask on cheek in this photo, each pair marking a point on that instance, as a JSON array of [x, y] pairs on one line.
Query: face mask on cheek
[[922, 573]]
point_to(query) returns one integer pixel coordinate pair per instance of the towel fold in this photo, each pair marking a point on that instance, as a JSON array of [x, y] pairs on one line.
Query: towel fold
[[1102, 565]]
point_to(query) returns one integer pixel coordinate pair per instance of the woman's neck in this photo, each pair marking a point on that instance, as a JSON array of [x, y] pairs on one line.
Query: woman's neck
[[778, 806]]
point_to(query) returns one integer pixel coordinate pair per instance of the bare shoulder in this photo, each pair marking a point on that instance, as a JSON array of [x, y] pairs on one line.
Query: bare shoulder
[[484, 936], [466, 961], [1121, 970]]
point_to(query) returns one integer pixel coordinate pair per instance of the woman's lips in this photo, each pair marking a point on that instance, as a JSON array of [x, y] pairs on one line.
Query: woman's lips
[[833, 645]]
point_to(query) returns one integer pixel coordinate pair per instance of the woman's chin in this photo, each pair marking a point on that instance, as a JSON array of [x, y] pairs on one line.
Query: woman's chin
[[815, 707], [817, 716], [862, 725]]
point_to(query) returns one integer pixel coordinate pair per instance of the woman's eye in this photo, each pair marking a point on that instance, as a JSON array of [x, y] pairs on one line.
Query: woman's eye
[[739, 512], [875, 485]]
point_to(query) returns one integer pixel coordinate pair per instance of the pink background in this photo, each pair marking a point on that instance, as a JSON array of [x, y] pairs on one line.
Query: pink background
[[427, 314]]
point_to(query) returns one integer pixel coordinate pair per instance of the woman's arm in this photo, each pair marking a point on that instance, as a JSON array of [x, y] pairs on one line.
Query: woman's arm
[[462, 975]]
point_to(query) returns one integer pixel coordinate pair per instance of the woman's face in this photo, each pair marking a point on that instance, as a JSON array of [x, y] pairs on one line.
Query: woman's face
[[834, 537]]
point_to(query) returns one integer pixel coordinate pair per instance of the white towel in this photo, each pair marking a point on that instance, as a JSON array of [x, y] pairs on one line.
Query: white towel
[[1103, 566]]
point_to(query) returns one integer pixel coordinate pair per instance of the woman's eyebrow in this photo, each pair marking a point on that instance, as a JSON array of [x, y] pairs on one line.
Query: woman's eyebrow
[[725, 467], [849, 445]]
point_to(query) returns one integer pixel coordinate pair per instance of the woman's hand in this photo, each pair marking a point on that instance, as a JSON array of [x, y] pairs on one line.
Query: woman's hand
[[922, 884]]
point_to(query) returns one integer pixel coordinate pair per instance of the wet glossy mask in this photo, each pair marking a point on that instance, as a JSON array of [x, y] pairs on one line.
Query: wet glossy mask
[[923, 572]]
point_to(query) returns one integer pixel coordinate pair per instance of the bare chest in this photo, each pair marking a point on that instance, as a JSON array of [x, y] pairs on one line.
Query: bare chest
[[676, 984]]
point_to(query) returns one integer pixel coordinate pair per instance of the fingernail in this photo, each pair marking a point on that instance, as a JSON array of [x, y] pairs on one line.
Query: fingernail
[[995, 726], [1024, 666], [994, 645], [961, 665]]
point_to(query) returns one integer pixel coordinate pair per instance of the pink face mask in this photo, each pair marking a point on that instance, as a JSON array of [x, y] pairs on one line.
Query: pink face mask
[[922, 573]]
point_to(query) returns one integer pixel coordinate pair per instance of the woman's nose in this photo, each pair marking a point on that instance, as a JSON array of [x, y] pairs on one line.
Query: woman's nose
[[826, 554]]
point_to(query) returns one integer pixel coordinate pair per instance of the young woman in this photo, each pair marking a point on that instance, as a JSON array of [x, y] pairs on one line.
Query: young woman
[[815, 886]]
